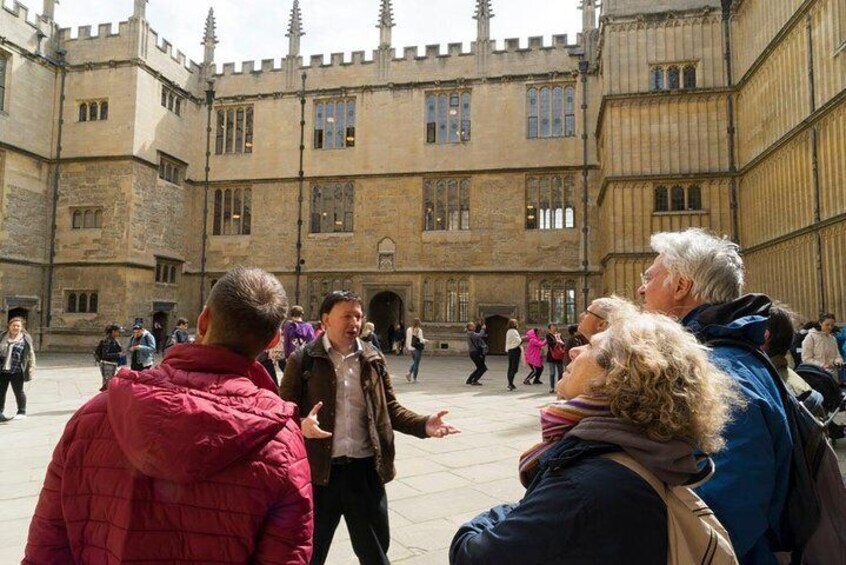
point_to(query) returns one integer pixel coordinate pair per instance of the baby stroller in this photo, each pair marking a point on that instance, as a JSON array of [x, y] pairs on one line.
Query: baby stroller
[[834, 399]]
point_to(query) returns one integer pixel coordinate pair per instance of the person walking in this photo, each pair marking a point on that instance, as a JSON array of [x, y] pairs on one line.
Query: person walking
[[17, 365], [478, 349], [351, 452], [554, 355], [535, 342], [196, 460], [415, 343], [108, 354], [141, 347], [513, 349]]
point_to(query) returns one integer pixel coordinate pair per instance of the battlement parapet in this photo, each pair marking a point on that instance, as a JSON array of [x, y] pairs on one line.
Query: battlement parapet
[[412, 54], [106, 33], [21, 11]]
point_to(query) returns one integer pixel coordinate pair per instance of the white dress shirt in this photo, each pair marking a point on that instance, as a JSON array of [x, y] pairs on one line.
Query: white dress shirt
[[350, 437]]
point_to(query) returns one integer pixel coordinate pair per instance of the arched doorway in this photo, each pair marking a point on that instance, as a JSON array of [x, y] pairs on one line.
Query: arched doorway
[[160, 329], [18, 313], [385, 310], [496, 326]]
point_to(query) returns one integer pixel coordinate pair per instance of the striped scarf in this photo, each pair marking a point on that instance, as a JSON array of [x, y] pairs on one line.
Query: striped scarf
[[556, 420]]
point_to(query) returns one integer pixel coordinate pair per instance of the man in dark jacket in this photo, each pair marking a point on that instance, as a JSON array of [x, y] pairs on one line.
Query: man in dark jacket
[[196, 460], [698, 278], [352, 456], [478, 349]]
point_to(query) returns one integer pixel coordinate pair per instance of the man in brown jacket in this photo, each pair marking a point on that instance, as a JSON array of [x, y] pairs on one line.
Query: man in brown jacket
[[352, 455]]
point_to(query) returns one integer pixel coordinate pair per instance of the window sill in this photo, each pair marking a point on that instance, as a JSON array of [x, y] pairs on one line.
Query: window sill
[[330, 235], [447, 235], [542, 230], [233, 154], [80, 314], [165, 284], [552, 137], [220, 235], [682, 213]]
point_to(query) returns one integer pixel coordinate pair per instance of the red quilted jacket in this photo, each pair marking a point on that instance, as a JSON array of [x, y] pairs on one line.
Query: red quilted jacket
[[196, 460]]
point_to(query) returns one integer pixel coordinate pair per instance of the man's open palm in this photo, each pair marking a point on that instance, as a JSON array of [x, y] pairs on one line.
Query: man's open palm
[[436, 427]]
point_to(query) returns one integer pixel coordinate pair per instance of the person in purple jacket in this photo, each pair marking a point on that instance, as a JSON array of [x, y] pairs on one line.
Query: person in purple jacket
[[295, 334]]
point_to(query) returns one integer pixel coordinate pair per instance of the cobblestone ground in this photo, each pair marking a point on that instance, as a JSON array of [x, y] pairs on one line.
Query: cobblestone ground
[[440, 484]]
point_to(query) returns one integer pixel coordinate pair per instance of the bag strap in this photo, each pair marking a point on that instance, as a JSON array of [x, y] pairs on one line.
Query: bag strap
[[631, 464]]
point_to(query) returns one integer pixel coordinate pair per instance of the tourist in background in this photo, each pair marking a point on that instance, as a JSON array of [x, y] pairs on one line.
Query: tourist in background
[[295, 334], [513, 341], [535, 342], [108, 354], [820, 346], [368, 335], [415, 343], [397, 337], [554, 355], [141, 347], [478, 349], [17, 365]]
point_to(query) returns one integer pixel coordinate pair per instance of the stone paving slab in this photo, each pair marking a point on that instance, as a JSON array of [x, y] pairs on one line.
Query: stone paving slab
[[440, 484]]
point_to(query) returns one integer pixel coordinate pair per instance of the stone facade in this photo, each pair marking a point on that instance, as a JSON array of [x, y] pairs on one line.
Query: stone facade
[[130, 194]]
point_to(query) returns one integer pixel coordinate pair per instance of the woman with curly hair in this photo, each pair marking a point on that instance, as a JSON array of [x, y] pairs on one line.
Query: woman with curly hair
[[644, 387]]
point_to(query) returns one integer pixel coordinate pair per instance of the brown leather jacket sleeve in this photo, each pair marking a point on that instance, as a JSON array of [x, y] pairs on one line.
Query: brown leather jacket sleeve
[[402, 419], [291, 387]]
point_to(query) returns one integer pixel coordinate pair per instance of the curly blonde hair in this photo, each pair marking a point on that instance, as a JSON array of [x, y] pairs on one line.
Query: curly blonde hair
[[659, 378]]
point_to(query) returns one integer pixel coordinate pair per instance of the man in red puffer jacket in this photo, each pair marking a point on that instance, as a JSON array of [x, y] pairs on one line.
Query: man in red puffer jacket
[[194, 461]]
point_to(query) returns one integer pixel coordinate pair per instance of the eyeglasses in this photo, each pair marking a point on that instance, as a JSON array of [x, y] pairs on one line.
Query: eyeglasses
[[587, 311]]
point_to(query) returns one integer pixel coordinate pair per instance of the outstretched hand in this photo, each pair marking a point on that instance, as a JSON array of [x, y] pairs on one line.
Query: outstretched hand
[[311, 427], [436, 427]]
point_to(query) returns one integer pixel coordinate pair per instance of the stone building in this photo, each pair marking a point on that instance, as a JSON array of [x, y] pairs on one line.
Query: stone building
[[508, 180]]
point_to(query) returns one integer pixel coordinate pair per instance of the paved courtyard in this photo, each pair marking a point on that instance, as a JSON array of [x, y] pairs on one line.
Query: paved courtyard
[[440, 484]]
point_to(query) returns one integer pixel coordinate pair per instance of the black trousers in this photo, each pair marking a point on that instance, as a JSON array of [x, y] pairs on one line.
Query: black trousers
[[479, 360], [356, 493], [17, 382], [513, 364]]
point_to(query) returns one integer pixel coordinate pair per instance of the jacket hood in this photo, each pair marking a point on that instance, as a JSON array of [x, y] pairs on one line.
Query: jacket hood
[[198, 412], [744, 319], [674, 462]]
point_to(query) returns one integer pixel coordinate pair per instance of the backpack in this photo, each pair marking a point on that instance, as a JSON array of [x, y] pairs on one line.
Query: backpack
[[98, 351], [812, 523], [694, 533]]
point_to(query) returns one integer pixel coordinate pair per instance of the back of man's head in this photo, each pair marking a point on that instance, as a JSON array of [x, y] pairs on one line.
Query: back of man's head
[[296, 312], [247, 307], [779, 330], [712, 263]]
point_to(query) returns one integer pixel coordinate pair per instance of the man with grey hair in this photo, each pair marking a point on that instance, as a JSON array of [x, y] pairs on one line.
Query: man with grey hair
[[698, 279]]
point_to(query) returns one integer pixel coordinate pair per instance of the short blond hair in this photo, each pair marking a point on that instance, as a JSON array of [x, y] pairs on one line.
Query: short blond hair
[[660, 379]]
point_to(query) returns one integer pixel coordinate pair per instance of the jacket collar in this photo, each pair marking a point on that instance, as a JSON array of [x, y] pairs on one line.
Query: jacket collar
[[214, 359], [317, 348]]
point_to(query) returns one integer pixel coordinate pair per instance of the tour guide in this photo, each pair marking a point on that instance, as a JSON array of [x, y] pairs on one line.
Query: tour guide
[[353, 457]]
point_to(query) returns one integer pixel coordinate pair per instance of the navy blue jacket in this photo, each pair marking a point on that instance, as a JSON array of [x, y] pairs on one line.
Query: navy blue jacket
[[749, 488], [579, 509]]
